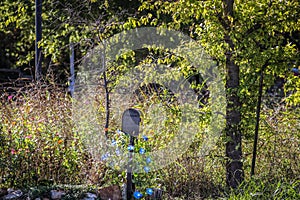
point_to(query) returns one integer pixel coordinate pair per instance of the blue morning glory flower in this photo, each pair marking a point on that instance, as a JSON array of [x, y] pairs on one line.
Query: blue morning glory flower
[[149, 191], [142, 151], [145, 138], [295, 70], [137, 195], [148, 160], [113, 142], [111, 164], [118, 152], [105, 156], [130, 147], [146, 169]]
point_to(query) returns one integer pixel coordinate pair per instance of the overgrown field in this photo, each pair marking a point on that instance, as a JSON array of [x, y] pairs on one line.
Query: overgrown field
[[40, 145]]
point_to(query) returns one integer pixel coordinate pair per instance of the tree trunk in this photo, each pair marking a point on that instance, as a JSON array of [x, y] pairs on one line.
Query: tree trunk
[[234, 166]]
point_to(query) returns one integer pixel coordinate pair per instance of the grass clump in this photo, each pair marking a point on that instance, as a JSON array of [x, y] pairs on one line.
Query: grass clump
[[38, 143]]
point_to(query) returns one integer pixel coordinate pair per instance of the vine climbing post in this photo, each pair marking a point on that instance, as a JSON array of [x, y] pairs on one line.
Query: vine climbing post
[[105, 84], [38, 35], [72, 70], [258, 107]]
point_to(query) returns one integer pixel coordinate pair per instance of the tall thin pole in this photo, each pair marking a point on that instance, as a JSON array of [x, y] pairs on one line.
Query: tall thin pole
[[257, 118], [38, 35], [72, 70], [107, 101], [129, 176]]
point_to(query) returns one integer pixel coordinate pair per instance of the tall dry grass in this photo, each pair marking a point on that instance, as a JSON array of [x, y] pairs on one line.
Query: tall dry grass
[[39, 143]]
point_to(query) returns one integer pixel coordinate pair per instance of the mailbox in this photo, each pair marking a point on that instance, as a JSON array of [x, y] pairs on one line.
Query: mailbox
[[131, 122]]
